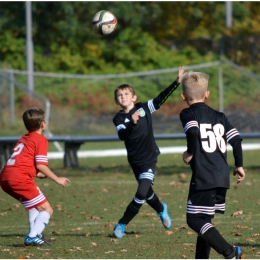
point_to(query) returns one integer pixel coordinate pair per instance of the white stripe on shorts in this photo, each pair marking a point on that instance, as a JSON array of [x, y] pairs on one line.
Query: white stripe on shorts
[[34, 201]]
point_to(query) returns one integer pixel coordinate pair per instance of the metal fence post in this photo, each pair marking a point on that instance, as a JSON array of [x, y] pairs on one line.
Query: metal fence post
[[220, 86], [12, 97]]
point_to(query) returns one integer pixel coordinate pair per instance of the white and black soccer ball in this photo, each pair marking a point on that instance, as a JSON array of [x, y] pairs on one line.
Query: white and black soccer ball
[[104, 22]]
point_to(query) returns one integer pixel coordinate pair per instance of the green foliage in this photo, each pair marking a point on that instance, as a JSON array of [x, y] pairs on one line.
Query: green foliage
[[64, 40], [12, 50]]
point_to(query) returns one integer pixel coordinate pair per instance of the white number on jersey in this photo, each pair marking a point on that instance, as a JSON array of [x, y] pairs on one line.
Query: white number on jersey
[[214, 136], [17, 150]]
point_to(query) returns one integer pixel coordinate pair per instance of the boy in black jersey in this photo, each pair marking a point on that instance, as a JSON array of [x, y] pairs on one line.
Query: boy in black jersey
[[134, 126], [207, 133]]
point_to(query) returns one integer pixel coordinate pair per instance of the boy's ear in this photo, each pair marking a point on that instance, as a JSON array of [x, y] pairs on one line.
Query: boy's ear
[[42, 125], [207, 94], [134, 98], [183, 97]]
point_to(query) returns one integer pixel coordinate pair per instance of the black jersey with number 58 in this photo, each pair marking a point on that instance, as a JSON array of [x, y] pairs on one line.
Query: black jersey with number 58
[[209, 163]]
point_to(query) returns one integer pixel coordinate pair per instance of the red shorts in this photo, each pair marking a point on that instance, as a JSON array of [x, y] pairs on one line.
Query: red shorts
[[26, 192]]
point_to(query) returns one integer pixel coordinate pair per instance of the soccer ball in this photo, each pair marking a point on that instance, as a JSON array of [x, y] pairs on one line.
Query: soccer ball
[[104, 22]]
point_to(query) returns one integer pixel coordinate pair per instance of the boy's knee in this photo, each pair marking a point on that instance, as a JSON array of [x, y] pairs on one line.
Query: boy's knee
[[46, 207], [195, 223], [141, 194], [143, 189]]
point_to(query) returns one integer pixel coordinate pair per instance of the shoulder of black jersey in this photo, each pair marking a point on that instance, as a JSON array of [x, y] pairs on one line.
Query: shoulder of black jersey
[[138, 105], [185, 110], [118, 115]]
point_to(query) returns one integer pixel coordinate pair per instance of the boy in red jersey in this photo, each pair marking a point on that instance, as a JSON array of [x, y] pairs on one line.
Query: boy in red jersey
[[29, 160]]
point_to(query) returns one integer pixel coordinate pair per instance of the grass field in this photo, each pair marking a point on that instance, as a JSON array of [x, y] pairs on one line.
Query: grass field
[[86, 212]]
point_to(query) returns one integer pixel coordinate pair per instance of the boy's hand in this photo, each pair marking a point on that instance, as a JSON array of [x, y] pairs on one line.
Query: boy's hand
[[62, 181], [187, 157], [180, 74], [239, 171], [41, 175], [135, 117]]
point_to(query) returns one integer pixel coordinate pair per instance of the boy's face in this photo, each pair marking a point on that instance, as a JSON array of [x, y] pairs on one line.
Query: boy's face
[[125, 98]]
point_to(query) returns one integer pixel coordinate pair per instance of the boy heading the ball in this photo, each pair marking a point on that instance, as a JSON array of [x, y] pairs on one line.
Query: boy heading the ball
[[207, 133], [29, 160], [134, 127]]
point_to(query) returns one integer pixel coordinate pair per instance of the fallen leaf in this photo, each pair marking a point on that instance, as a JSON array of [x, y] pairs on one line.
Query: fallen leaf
[[182, 177], [108, 252], [164, 194], [237, 213], [250, 239], [93, 217], [59, 207], [123, 250], [188, 244], [241, 226], [94, 244], [256, 235], [169, 232]]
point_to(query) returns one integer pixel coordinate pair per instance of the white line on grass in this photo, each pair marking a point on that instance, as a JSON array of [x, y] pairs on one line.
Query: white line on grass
[[122, 152]]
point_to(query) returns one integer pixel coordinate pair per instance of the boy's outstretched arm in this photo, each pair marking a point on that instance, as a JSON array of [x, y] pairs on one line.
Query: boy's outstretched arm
[[180, 74], [162, 97], [46, 171]]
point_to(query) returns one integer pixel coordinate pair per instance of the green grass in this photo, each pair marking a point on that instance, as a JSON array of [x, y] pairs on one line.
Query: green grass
[[86, 212]]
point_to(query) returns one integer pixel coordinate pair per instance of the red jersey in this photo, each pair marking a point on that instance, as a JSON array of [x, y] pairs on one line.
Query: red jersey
[[29, 151]]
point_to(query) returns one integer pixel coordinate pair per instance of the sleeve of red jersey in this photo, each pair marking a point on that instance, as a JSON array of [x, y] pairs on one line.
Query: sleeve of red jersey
[[41, 151]]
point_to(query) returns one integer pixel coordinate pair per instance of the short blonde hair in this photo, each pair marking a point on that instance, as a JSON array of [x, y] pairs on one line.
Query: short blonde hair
[[194, 85]]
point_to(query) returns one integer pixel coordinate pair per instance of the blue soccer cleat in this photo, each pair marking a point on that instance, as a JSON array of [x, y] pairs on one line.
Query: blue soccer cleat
[[119, 230], [238, 252], [165, 218], [35, 241]]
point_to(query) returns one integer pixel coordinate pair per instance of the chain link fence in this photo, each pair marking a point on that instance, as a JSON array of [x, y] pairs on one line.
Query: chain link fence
[[84, 104]]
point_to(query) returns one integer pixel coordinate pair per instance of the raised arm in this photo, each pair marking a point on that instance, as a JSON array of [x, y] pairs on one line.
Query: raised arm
[[162, 97]]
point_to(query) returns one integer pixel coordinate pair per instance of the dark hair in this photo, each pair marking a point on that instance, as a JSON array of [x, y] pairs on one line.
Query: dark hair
[[123, 86], [32, 118]]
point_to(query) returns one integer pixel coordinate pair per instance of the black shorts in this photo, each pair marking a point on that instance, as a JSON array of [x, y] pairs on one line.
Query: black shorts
[[206, 202], [144, 171]]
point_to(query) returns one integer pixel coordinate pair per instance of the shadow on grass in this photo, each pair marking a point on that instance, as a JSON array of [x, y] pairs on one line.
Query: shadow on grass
[[126, 232], [126, 170], [119, 169]]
